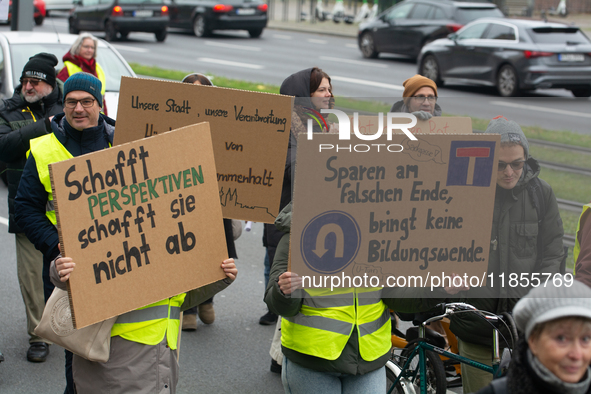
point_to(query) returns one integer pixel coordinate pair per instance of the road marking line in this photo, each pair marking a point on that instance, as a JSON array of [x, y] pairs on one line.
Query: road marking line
[[314, 41], [367, 83], [355, 46], [3, 221], [541, 109], [232, 46], [282, 37], [358, 62], [229, 63], [131, 49]]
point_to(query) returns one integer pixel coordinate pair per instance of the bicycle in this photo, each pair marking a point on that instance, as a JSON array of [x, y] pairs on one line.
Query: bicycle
[[416, 377], [437, 365]]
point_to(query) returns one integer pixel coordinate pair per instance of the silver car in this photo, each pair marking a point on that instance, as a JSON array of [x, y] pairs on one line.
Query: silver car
[[512, 54], [17, 47]]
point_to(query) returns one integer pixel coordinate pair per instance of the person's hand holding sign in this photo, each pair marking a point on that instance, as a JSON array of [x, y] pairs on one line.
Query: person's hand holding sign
[[289, 282]]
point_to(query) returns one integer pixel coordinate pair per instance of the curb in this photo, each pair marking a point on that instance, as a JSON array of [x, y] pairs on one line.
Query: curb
[[312, 30]]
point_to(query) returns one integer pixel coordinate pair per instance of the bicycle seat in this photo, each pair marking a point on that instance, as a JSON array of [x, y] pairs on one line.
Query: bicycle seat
[[433, 337]]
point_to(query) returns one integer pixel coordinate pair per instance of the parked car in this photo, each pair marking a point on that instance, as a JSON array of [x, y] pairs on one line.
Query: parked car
[[513, 55], [406, 27], [120, 17], [203, 16], [58, 5], [38, 11]]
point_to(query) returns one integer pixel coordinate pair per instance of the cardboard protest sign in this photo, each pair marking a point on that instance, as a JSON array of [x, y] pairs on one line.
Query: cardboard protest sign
[[393, 207], [249, 130], [367, 124], [142, 221]]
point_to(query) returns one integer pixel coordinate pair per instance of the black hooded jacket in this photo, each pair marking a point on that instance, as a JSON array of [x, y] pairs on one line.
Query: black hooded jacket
[[297, 85]]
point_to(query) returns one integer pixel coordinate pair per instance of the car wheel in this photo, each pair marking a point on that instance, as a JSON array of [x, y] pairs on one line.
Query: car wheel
[[255, 33], [110, 32], [72, 27], [123, 34], [507, 81], [161, 35], [367, 46], [581, 92], [39, 20], [200, 27], [430, 69]]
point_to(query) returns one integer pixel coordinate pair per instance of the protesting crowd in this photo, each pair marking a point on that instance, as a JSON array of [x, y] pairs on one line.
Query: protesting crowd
[[326, 340]]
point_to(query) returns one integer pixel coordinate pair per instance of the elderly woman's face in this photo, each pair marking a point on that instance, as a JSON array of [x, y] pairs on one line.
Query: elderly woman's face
[[87, 49], [321, 97], [564, 347]]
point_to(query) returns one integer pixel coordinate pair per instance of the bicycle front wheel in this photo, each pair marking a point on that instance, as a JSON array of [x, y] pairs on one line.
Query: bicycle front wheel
[[403, 386], [436, 382]]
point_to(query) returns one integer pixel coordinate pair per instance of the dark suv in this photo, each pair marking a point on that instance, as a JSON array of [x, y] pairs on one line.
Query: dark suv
[[203, 16], [120, 17], [406, 27]]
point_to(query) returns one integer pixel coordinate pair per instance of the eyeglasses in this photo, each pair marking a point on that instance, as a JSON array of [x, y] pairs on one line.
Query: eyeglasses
[[86, 103], [33, 82], [516, 165], [421, 99]]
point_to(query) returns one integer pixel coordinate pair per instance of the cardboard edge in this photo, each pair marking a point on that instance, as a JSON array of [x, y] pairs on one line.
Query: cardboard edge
[[218, 87]]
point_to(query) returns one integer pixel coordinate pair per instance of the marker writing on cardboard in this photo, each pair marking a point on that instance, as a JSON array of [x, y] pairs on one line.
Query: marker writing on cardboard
[[184, 241]]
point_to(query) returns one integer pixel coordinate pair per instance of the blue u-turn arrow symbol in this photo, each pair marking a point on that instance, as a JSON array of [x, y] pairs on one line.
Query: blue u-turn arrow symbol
[[330, 242]]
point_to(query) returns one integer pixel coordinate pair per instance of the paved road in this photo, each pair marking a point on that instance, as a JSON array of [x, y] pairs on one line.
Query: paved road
[[280, 53], [230, 356]]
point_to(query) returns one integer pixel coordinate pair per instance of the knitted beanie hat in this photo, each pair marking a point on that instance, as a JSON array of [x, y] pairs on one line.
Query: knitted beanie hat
[[509, 131], [413, 84], [85, 82], [41, 66], [545, 303]]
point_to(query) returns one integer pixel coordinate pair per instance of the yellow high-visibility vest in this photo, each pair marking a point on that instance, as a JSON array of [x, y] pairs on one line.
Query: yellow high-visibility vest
[[577, 248], [327, 318], [149, 324], [47, 150], [100, 74]]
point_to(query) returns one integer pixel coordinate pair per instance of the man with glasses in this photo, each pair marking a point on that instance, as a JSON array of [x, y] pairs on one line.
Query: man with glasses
[[79, 130], [521, 243], [419, 98], [23, 117]]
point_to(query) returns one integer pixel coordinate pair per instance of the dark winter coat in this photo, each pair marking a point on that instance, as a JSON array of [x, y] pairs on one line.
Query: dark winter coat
[[521, 378], [514, 249], [20, 122], [31, 197]]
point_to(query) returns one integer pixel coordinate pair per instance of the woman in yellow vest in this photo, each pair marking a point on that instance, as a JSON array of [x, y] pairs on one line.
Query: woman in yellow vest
[[82, 57], [335, 341], [143, 342]]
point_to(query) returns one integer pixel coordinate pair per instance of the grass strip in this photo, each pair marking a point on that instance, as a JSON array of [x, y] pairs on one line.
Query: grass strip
[[561, 136]]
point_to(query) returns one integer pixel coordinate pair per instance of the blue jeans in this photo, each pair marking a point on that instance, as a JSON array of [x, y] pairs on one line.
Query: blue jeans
[[299, 380], [267, 264]]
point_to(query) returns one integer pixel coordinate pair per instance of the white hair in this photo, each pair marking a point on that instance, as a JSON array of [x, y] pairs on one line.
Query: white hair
[[75, 49]]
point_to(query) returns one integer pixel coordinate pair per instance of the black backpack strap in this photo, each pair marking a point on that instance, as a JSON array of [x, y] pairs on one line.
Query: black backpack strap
[[534, 189]]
